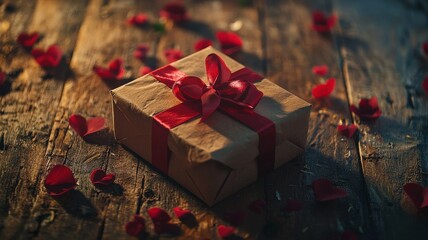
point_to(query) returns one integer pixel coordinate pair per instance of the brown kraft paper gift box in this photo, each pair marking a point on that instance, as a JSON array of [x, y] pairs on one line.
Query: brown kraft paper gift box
[[217, 157]]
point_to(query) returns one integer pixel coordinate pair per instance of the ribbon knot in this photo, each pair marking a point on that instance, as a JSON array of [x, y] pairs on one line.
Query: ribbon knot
[[223, 88]]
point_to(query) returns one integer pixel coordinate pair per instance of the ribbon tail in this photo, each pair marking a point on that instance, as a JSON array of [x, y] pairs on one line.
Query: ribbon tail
[[162, 123]]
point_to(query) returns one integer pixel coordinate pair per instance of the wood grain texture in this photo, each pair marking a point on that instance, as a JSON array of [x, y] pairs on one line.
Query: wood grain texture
[[384, 60]]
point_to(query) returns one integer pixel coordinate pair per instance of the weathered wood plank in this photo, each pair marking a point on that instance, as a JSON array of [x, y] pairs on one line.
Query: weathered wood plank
[[380, 48], [27, 111], [292, 49]]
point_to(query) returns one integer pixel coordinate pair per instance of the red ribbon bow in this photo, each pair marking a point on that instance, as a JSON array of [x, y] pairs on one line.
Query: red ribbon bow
[[222, 88], [233, 93]]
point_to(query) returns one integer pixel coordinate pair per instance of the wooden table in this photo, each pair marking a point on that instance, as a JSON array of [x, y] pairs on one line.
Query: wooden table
[[373, 51]]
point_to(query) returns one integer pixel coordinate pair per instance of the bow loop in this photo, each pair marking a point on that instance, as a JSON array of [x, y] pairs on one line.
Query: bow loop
[[188, 88], [217, 71], [241, 93]]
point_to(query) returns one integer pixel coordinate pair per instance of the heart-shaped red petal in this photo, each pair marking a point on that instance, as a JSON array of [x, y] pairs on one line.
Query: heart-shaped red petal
[[320, 70], [85, 127], [164, 228], [174, 11], [225, 231], [60, 180], [95, 124], [235, 218], [172, 55], [230, 42], [293, 205], [425, 85], [202, 43], [425, 48], [257, 206], [136, 227], [417, 193], [141, 51], [347, 130], [99, 177], [49, 58], [325, 191], [138, 20], [324, 90], [368, 109], [27, 40], [181, 213], [144, 70], [2, 78], [114, 72], [158, 215], [322, 23]]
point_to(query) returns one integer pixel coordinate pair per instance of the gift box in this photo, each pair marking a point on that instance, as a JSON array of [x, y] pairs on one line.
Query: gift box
[[209, 123]]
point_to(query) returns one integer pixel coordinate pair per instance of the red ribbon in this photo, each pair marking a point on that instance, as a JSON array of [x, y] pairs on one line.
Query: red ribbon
[[232, 93]]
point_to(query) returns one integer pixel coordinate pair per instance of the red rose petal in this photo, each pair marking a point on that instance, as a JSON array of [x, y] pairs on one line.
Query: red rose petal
[[425, 85], [165, 228], [324, 90], [225, 231], [181, 213], [235, 218], [230, 42], [27, 40], [320, 70], [325, 191], [141, 51], [114, 71], [293, 205], [322, 23], [425, 48], [144, 70], [136, 227], [99, 177], [60, 180], [138, 20], [257, 206], [347, 130], [417, 193], [172, 55], [368, 109], [2, 78], [349, 235], [202, 43], [158, 215], [49, 58], [175, 12], [85, 127]]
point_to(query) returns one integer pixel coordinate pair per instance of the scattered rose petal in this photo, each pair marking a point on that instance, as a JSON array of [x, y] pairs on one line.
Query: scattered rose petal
[[293, 205], [368, 109], [235, 218], [114, 71], [324, 90], [60, 180], [257, 206], [2, 78], [349, 235], [202, 43], [322, 23], [225, 231], [49, 58], [175, 12], [347, 130], [141, 51], [100, 178], [417, 193], [320, 70], [138, 20], [158, 215], [145, 70], [425, 85], [425, 48], [164, 228], [27, 40], [136, 227], [84, 127], [230, 42], [181, 213], [325, 191], [172, 55]]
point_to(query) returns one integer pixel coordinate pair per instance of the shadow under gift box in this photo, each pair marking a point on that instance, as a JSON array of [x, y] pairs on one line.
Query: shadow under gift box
[[215, 158]]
